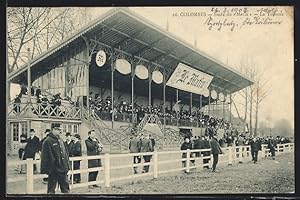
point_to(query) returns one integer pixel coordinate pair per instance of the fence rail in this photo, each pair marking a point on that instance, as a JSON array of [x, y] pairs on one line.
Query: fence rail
[[192, 161]]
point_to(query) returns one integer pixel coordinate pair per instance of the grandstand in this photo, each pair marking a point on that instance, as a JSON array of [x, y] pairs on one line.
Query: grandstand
[[116, 76]]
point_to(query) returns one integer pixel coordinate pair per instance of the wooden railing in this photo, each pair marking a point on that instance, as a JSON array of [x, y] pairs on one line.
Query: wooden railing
[[43, 110], [117, 167]]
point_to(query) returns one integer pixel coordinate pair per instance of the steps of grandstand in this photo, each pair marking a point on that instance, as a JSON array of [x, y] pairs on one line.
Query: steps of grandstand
[[150, 118]]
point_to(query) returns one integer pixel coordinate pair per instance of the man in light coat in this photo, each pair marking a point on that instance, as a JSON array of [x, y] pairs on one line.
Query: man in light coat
[[135, 147], [146, 147]]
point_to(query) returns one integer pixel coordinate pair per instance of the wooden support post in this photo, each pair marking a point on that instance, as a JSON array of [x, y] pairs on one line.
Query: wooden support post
[[107, 170], [177, 114], [29, 176], [155, 164], [164, 99], [188, 152]]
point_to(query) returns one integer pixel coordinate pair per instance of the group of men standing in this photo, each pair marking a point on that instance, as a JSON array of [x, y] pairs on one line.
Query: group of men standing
[[209, 141], [139, 144], [55, 153]]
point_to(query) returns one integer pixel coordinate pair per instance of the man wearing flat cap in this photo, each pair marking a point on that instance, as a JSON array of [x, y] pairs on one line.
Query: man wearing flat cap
[[32, 147], [55, 161]]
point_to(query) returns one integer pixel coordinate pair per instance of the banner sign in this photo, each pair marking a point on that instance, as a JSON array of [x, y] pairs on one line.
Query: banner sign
[[189, 79]]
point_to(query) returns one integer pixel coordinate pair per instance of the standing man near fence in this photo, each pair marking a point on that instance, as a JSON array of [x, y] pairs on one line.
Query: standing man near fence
[[255, 147], [187, 144], [32, 147], [206, 145], [76, 153], [215, 150], [146, 147], [272, 145], [135, 147], [93, 147], [47, 131], [55, 161]]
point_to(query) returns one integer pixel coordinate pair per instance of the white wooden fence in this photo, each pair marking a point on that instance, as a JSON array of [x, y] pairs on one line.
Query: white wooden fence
[[230, 156]]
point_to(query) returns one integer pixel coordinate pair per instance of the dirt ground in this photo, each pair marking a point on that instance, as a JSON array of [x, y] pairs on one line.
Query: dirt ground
[[268, 176]]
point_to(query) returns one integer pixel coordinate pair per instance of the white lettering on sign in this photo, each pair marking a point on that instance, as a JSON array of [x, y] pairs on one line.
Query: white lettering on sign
[[189, 79], [100, 58]]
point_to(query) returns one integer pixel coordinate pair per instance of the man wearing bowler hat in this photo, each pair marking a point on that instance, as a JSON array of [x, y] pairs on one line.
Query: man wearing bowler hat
[[55, 161], [32, 147]]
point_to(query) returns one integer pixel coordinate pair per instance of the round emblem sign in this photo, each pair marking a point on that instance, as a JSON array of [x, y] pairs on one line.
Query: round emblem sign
[[100, 58]]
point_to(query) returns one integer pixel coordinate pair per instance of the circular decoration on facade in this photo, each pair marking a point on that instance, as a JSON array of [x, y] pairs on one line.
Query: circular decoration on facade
[[214, 94], [100, 58], [221, 96], [123, 66], [205, 92], [157, 77], [141, 72], [227, 98]]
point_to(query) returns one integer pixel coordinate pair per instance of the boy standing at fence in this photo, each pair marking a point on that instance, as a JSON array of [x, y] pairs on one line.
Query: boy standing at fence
[[93, 147], [135, 147], [55, 161]]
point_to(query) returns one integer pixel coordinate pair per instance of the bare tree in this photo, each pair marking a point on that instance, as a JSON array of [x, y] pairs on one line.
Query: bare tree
[[40, 29], [251, 96], [262, 90]]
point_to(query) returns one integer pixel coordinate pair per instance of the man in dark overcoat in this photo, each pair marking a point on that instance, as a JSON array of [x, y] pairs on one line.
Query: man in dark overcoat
[[146, 147], [135, 147], [55, 161], [76, 151], [32, 147], [255, 147], [47, 131], [272, 145], [93, 147], [215, 150], [206, 145]]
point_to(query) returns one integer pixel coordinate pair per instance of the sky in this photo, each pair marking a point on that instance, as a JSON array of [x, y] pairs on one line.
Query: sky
[[268, 46]]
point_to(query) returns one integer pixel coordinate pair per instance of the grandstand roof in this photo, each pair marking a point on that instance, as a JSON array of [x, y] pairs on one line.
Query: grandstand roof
[[135, 35]]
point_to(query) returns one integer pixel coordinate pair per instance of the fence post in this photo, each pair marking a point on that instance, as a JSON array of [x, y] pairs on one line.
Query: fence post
[[29, 175], [240, 154], [277, 148], [188, 152], [229, 155], [155, 164], [107, 170]]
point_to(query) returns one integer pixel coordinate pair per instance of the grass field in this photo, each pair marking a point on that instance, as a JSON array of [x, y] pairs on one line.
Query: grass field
[[268, 176]]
